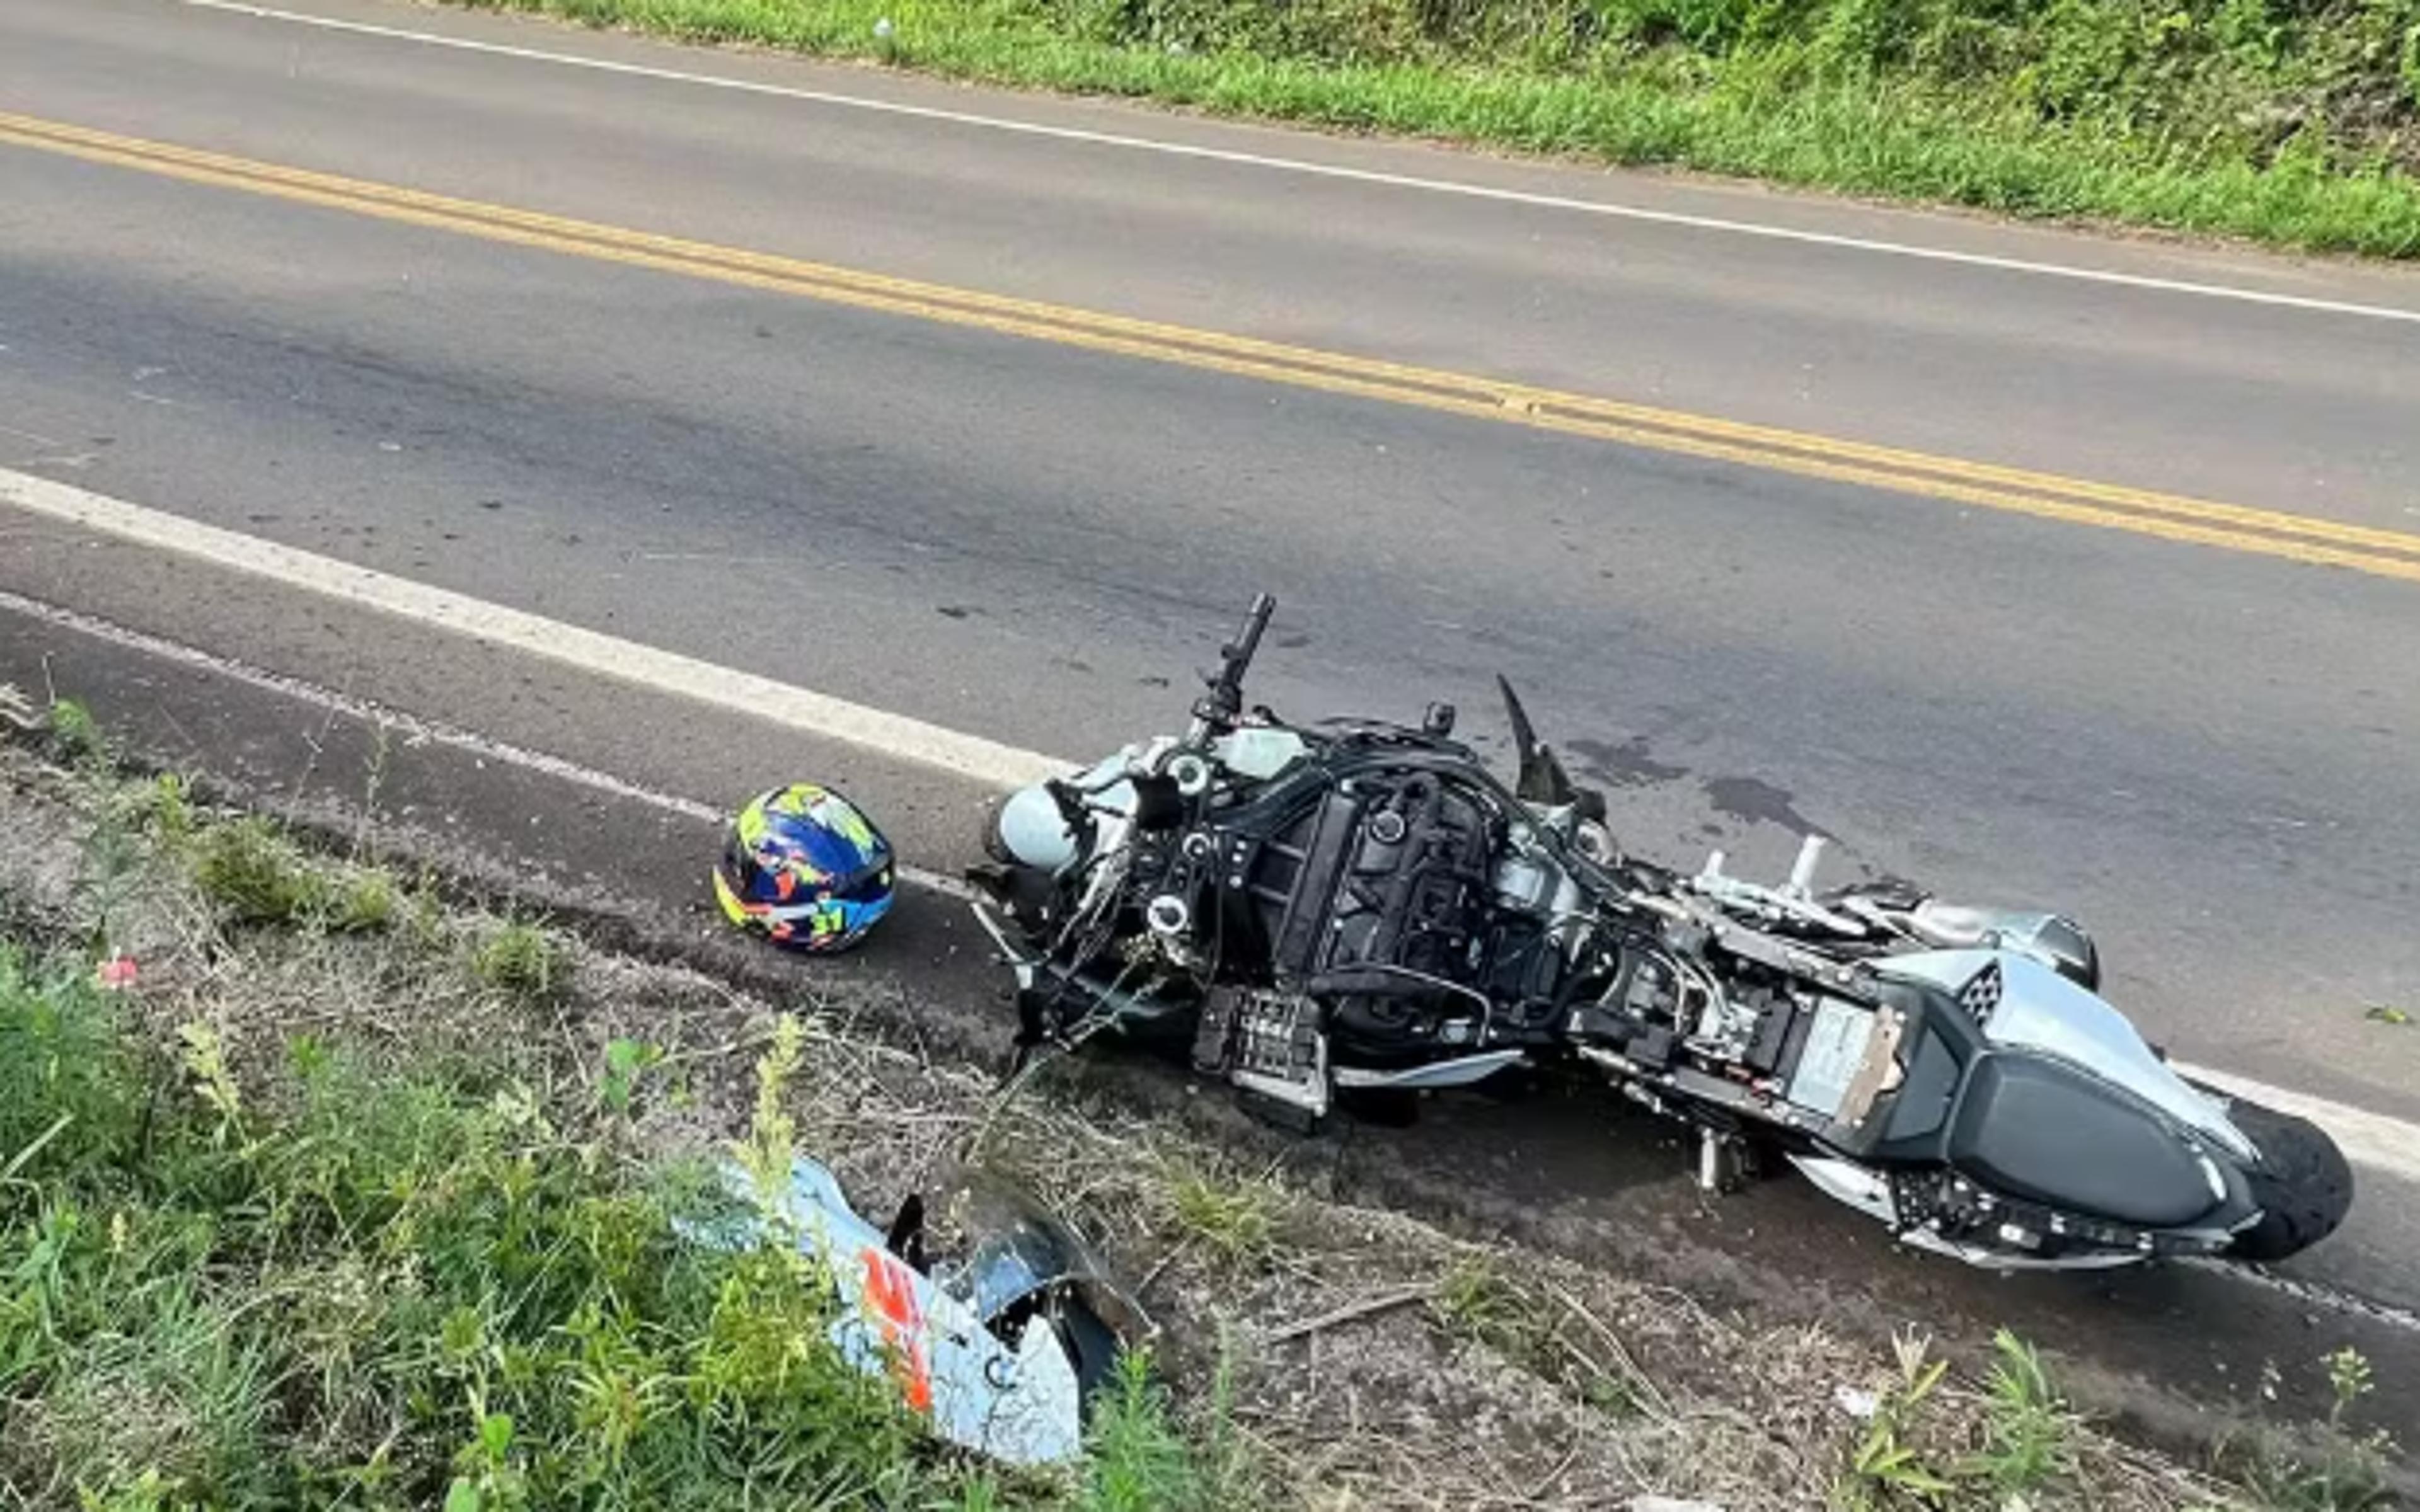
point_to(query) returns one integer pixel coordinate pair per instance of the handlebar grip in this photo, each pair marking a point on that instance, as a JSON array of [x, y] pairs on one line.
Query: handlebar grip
[[1238, 653]]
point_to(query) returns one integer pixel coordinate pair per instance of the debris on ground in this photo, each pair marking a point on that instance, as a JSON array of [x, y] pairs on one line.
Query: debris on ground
[[996, 1347]]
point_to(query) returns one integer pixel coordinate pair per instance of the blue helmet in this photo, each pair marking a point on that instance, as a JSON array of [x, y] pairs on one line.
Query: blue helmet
[[806, 870]]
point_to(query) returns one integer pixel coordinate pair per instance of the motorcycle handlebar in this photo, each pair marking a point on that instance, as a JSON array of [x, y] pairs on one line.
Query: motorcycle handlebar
[[1218, 708]]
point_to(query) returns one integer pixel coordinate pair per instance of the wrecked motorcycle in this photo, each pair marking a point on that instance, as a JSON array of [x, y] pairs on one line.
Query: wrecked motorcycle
[[1355, 908]]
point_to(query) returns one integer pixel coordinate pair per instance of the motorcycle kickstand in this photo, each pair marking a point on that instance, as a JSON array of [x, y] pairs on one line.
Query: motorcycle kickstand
[[1725, 1162]]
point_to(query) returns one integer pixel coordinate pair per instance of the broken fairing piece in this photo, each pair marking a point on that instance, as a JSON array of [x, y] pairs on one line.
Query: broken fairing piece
[[1019, 1401], [1022, 1268]]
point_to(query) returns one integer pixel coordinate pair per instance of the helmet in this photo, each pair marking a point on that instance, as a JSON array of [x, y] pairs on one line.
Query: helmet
[[806, 870]]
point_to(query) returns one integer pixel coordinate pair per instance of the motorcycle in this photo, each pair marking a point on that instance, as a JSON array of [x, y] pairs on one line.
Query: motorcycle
[[1357, 909]]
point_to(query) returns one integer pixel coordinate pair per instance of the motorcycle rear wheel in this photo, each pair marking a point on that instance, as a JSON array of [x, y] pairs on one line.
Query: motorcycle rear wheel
[[2303, 1183]]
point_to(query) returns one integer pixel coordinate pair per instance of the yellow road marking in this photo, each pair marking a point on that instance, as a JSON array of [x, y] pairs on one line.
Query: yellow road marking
[[2016, 490]]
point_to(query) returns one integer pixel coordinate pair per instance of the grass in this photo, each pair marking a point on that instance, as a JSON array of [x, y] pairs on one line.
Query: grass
[[256, 875], [1475, 1301], [1891, 1465], [1234, 1222], [1545, 1332], [365, 902], [1142, 1463], [238, 1285], [2347, 1470], [2029, 1431], [521, 961], [1924, 1445], [75, 735], [331, 1284], [2287, 122]]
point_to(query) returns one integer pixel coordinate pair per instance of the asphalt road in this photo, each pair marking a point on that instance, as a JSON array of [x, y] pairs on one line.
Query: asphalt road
[[2201, 749]]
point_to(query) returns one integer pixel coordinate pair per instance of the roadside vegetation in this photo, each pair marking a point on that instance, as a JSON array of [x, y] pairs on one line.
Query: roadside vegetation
[[2295, 122], [311, 1200]]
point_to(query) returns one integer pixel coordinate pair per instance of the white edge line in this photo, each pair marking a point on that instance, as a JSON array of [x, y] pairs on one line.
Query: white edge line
[[413, 728], [782, 703], [2372, 1139], [1328, 170]]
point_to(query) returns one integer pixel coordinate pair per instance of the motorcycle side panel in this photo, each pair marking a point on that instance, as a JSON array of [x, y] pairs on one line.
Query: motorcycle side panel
[[2039, 1129]]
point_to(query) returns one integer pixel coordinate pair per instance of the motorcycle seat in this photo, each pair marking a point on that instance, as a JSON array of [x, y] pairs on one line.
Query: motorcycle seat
[[2038, 1128]]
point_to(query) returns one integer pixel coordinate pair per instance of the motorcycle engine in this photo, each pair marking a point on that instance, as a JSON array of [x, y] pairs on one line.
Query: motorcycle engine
[[1379, 901]]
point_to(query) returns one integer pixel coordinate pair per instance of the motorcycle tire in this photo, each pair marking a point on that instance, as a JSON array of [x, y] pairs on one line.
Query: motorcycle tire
[[2302, 1183]]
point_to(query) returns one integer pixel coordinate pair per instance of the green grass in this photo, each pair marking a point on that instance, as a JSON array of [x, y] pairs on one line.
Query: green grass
[[2290, 121], [1142, 1463], [1547, 1335], [2348, 1470], [312, 1284], [1476, 1302], [1891, 1465], [254, 874], [1235, 1223], [364, 902], [2029, 1431], [75, 735], [522, 961]]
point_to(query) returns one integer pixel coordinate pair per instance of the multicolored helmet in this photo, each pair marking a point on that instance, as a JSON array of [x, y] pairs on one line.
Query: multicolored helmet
[[806, 870]]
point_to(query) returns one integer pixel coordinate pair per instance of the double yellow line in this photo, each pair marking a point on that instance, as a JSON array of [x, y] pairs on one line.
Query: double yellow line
[[2015, 490]]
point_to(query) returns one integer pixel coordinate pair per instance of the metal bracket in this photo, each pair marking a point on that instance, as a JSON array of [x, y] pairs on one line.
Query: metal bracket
[[1017, 960], [1460, 1072]]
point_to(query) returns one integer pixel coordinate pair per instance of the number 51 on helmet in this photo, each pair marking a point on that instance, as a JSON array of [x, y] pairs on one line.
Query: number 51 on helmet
[[806, 870]]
